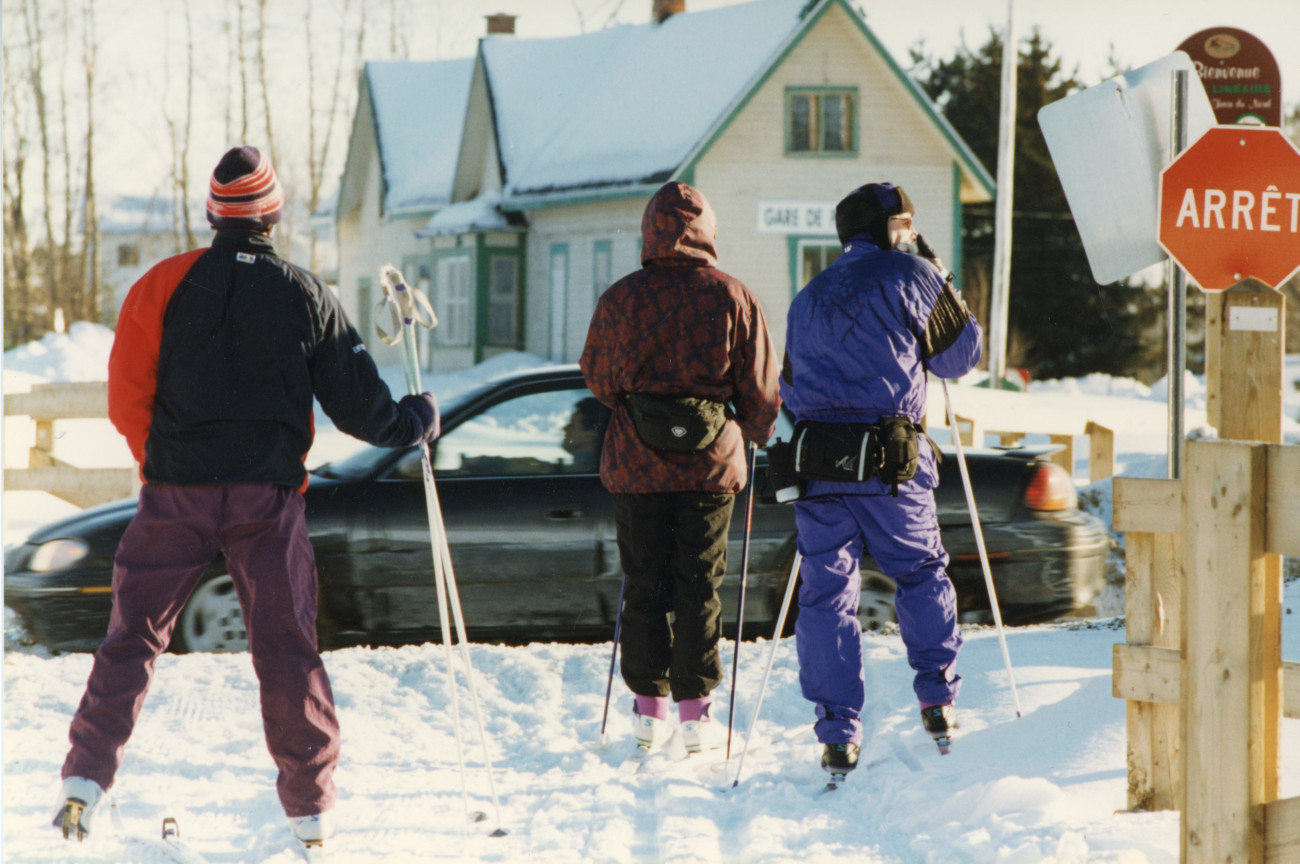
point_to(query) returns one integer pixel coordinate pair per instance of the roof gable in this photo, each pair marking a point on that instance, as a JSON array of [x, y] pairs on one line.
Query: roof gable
[[625, 105], [418, 112], [977, 183]]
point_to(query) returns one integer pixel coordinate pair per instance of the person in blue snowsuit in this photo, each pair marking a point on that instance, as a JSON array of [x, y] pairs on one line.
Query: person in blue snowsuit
[[860, 338]]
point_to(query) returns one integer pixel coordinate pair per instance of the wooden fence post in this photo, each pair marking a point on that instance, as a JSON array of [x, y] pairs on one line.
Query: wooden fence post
[[1231, 711]]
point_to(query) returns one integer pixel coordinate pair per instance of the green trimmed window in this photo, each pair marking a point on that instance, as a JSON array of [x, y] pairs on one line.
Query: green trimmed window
[[821, 121]]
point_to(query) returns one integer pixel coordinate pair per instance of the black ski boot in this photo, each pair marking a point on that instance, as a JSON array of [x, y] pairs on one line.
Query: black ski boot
[[939, 721], [838, 760]]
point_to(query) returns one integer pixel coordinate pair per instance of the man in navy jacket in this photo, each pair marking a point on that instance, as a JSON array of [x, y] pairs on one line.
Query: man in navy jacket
[[860, 339], [216, 358]]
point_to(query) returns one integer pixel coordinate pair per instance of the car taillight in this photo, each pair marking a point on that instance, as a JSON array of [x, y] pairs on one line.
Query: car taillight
[[1050, 488]]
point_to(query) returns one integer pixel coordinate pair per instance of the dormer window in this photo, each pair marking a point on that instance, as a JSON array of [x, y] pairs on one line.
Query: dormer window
[[820, 121]]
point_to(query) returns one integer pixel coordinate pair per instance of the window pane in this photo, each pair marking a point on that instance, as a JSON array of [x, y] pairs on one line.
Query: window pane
[[801, 123], [503, 301], [454, 301], [814, 258], [556, 432], [835, 129]]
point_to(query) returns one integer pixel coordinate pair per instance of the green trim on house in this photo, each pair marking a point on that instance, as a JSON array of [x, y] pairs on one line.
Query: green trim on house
[[968, 158], [483, 253], [569, 197], [795, 260], [854, 123], [597, 247]]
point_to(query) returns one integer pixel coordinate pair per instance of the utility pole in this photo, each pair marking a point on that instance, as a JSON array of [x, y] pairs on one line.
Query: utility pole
[[1001, 288]]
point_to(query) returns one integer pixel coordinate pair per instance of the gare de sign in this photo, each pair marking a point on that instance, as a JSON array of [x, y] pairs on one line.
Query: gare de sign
[[1230, 207]]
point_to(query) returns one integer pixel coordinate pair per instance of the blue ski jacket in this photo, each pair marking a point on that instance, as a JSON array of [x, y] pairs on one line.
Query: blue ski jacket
[[860, 338]]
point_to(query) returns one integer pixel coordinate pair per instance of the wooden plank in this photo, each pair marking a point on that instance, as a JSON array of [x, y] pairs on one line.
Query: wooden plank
[[84, 487], [1064, 458], [1101, 451], [1250, 367], [1151, 587], [1147, 504], [1282, 831], [1224, 720], [1143, 673], [59, 400], [1281, 535]]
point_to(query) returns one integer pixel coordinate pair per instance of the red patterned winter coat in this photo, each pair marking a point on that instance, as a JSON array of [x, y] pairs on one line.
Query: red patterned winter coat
[[681, 327]]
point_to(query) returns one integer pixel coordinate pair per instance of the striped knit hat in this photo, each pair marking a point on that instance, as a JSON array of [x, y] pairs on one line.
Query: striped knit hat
[[244, 191]]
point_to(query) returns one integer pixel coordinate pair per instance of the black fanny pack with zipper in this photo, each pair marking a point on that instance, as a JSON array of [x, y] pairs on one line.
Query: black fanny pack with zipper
[[854, 452], [676, 423]]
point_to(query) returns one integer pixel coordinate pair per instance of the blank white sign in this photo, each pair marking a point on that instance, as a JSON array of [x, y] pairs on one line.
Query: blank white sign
[[1109, 144]]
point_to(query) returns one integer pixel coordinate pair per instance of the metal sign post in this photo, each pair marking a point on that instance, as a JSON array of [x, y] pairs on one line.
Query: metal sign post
[[1176, 353]]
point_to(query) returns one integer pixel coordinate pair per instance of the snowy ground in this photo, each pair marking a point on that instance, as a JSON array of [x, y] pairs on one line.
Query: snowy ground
[[1042, 787]]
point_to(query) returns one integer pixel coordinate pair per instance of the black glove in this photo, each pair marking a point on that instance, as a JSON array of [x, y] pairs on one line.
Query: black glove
[[422, 409], [927, 252]]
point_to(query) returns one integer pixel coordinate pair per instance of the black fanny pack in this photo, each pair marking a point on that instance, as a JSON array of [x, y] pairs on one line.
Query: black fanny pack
[[676, 423], [856, 452]]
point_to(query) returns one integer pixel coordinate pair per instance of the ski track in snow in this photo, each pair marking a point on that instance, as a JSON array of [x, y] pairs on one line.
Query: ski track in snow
[[1041, 788], [1027, 789]]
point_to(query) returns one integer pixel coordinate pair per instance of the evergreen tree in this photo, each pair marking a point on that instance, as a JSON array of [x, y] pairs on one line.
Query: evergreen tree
[[1061, 322]]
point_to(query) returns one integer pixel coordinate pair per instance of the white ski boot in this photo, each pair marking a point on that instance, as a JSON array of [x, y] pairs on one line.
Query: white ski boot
[[703, 734], [312, 831], [79, 801]]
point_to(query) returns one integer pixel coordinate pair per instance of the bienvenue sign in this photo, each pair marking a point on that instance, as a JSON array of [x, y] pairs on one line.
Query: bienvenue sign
[[796, 217]]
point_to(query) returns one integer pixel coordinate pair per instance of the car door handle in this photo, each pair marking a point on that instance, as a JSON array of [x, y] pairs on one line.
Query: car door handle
[[562, 513]]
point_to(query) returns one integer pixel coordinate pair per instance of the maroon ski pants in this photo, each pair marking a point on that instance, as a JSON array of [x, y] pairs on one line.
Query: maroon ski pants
[[177, 532]]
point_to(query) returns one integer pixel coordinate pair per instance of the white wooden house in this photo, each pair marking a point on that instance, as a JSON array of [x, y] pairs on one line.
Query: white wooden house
[[773, 109]]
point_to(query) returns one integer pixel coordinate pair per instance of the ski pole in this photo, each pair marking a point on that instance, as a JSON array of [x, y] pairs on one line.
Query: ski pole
[[771, 659], [744, 578], [979, 543], [408, 307], [613, 657]]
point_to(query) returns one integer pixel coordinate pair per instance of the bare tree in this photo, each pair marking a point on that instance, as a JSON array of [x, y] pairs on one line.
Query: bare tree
[[92, 254], [262, 79], [35, 78], [72, 299], [17, 254], [320, 133], [180, 138]]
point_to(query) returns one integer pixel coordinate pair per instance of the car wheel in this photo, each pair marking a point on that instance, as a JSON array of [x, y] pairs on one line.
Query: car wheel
[[212, 621], [876, 607]]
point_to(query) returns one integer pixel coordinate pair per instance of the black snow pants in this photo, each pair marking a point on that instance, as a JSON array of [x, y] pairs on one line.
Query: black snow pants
[[673, 548]]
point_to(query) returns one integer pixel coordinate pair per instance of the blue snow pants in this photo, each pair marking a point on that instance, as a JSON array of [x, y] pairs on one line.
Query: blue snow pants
[[902, 535]]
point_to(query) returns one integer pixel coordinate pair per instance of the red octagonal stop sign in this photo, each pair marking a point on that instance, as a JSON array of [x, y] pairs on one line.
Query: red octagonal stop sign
[[1230, 207]]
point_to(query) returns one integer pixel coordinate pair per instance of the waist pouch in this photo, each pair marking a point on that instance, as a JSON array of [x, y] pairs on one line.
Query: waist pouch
[[856, 452], [680, 423]]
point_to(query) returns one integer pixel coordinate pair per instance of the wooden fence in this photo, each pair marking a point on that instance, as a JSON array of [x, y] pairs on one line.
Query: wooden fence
[[46, 404], [1202, 668]]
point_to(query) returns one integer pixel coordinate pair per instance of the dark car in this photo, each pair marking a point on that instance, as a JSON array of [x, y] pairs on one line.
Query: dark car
[[532, 538]]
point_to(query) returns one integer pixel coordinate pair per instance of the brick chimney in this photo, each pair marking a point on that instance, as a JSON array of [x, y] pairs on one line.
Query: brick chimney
[[501, 23], [664, 9]]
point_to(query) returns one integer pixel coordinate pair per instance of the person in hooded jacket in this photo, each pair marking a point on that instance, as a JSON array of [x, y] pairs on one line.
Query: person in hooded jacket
[[860, 339], [217, 355], [680, 327]]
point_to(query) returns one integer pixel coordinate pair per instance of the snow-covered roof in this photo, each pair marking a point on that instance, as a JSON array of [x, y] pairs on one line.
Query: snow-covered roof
[[625, 105], [419, 109], [477, 214]]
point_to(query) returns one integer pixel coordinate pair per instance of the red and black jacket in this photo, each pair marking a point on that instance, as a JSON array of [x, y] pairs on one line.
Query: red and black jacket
[[217, 355], [680, 327]]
